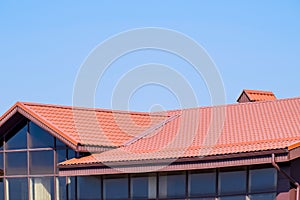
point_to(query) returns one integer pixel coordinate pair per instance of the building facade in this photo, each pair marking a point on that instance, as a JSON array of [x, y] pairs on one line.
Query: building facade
[[244, 151]]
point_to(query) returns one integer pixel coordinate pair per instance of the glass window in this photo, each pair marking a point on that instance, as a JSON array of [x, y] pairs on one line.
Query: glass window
[[115, 187], [61, 155], [18, 140], [1, 189], [17, 188], [231, 182], [262, 180], [233, 198], [172, 185], [270, 196], [41, 162], [16, 163], [1, 144], [39, 138], [60, 144], [143, 186], [89, 187], [202, 183], [42, 188], [71, 153], [1, 165], [71, 185], [61, 188]]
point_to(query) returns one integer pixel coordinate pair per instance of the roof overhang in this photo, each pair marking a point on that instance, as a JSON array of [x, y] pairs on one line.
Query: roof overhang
[[209, 162]]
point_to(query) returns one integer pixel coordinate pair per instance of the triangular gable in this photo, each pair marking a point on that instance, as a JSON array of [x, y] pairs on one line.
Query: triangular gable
[[117, 127], [18, 113]]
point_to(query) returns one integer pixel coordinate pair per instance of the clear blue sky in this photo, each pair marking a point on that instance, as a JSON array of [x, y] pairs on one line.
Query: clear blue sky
[[255, 45]]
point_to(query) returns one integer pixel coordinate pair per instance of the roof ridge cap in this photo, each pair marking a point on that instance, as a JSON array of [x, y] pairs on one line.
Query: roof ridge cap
[[93, 109]]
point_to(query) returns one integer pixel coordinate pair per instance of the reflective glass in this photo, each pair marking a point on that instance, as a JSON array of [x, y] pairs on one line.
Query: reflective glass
[[60, 144], [17, 188], [115, 187], [233, 198], [143, 186], [18, 140], [71, 185], [263, 180], [202, 183], [41, 162], [172, 185], [16, 163], [1, 145], [89, 187], [1, 165], [231, 182], [61, 155], [270, 196], [71, 153], [61, 188], [42, 188], [39, 138], [1, 189]]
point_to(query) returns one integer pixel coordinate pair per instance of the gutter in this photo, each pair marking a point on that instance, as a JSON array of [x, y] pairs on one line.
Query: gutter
[[293, 181]]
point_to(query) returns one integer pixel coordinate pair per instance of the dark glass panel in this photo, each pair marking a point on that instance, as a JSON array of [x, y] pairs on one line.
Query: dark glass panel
[[1, 165], [262, 180], [143, 186], [71, 153], [60, 144], [39, 138], [71, 188], [1, 144], [269, 196], [89, 187], [202, 183], [41, 162], [42, 188], [61, 155], [172, 185], [18, 140], [233, 198], [61, 188], [232, 182], [1, 189], [16, 163], [17, 188], [115, 187]]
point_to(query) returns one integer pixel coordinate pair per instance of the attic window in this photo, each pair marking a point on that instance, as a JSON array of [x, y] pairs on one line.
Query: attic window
[[255, 95]]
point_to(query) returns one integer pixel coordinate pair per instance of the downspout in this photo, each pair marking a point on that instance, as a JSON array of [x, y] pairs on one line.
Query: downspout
[[293, 181]]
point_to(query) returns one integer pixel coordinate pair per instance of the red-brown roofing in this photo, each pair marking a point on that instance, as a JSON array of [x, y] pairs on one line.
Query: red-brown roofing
[[206, 131], [258, 95], [91, 127]]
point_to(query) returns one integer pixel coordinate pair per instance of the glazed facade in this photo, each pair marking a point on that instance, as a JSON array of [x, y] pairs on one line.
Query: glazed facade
[[29, 157]]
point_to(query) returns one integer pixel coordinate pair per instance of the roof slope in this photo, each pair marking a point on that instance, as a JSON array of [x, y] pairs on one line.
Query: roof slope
[[246, 127], [94, 127]]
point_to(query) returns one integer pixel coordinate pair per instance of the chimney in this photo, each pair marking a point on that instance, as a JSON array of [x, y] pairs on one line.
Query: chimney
[[255, 95]]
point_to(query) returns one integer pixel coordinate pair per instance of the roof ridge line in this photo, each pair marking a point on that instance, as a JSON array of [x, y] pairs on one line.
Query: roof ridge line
[[235, 104], [44, 121], [93, 109], [149, 130]]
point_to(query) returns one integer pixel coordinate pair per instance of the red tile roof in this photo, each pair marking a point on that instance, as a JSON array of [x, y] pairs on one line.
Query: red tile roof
[[95, 127], [249, 127], [258, 95], [204, 131]]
